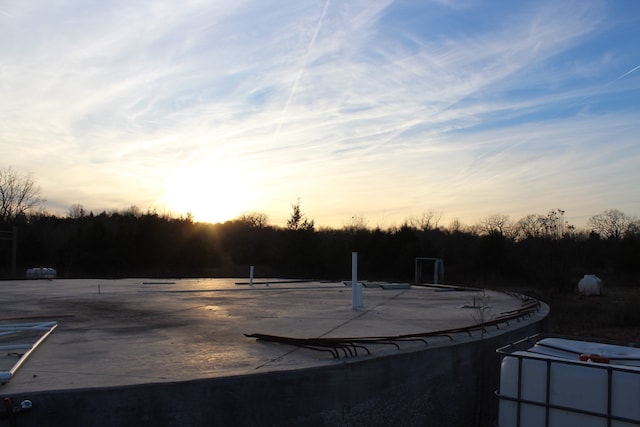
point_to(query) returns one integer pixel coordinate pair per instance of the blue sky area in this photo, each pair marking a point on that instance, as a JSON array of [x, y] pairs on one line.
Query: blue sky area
[[377, 109]]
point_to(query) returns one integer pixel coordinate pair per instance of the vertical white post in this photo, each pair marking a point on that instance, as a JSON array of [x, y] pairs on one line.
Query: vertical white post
[[251, 276], [438, 270], [356, 288]]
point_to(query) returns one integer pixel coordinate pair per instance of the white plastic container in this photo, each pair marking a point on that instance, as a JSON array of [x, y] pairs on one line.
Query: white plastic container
[[548, 385], [41, 273], [590, 284]]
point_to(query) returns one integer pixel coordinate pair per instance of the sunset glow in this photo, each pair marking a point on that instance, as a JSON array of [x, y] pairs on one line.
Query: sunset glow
[[372, 108], [210, 193]]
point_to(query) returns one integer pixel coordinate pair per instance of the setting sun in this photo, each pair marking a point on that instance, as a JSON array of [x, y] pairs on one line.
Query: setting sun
[[210, 192], [383, 110]]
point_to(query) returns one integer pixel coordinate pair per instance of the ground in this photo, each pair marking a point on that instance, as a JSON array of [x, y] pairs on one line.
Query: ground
[[615, 315]]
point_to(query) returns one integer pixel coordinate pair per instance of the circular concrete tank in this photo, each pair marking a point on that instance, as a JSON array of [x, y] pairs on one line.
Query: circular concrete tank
[[185, 352]]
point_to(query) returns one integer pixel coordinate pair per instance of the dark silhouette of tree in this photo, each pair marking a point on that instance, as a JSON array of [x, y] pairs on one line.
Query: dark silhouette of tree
[[18, 195], [245, 242], [76, 211], [554, 224], [297, 221], [551, 226], [456, 226], [540, 250], [300, 245], [426, 221], [530, 226], [254, 219], [403, 245], [628, 254], [496, 224], [611, 224], [355, 224], [491, 255]]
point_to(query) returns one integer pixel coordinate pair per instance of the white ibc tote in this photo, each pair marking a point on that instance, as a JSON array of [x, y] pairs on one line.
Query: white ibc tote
[[559, 382]]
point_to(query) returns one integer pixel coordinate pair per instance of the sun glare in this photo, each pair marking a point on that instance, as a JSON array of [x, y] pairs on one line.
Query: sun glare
[[211, 193]]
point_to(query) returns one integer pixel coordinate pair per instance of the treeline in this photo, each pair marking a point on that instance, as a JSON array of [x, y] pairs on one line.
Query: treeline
[[542, 251]]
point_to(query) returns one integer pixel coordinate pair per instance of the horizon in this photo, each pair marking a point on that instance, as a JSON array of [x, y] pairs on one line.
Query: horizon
[[435, 219], [380, 110]]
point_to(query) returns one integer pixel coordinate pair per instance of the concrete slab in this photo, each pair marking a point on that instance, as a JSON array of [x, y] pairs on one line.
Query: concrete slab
[[134, 331]]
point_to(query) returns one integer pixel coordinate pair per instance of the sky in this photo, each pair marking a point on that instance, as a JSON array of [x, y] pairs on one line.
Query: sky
[[376, 109]]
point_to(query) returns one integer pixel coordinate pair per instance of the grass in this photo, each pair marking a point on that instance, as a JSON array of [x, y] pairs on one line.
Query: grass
[[615, 315]]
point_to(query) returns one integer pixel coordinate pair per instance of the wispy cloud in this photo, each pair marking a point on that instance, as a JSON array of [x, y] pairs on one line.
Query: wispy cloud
[[402, 108]]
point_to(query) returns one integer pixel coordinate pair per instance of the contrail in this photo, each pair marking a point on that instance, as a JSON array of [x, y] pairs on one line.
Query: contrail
[[294, 88], [628, 72], [315, 34]]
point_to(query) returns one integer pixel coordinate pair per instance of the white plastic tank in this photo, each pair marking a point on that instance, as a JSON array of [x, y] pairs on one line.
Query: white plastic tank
[[41, 273], [561, 382], [590, 284]]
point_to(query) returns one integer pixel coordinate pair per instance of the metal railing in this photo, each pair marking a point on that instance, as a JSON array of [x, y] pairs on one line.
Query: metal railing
[[349, 346]]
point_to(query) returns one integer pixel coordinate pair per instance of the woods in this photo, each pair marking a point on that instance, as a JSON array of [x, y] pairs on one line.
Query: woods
[[536, 251], [541, 251]]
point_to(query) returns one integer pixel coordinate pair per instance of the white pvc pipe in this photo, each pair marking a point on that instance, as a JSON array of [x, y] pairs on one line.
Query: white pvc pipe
[[251, 276], [5, 376], [441, 270], [356, 288]]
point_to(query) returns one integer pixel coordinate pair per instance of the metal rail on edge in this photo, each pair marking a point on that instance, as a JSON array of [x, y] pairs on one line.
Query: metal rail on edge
[[348, 346]]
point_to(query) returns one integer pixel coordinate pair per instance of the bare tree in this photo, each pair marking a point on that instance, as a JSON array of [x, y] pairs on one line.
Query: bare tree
[[554, 224], [611, 224], [427, 221], [254, 219], [531, 225], [634, 228], [76, 211], [356, 223], [18, 194], [550, 226], [133, 211], [455, 226], [496, 224]]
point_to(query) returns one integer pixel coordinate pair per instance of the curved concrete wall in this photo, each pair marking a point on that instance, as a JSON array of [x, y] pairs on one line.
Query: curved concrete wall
[[450, 385]]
